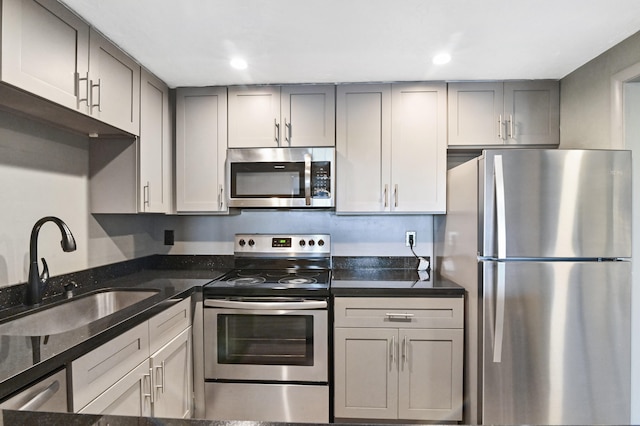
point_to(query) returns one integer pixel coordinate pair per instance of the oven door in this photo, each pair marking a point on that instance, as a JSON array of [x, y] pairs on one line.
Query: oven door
[[266, 340]]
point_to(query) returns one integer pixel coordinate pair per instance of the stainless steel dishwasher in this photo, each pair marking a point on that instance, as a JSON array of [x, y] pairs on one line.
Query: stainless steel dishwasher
[[49, 394]]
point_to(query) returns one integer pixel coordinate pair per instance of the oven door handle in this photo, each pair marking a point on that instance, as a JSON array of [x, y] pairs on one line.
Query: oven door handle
[[281, 305]]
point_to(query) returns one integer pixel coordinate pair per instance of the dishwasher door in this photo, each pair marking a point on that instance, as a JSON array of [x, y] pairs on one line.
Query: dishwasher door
[[49, 394]]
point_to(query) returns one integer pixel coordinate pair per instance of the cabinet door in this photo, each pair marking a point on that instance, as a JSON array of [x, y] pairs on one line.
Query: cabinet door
[[172, 372], [201, 135], [366, 373], [363, 145], [45, 50], [476, 115], [418, 148], [114, 85], [154, 145], [254, 117], [430, 379], [308, 115], [130, 396], [532, 112]]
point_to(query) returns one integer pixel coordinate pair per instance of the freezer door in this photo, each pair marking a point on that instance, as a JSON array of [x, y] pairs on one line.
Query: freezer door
[[557, 203], [556, 343]]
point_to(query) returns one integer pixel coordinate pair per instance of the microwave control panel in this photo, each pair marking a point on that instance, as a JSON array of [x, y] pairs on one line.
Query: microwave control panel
[[321, 179]]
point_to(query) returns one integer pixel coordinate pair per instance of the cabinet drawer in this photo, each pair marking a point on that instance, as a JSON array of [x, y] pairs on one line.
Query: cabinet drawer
[[97, 370], [426, 312], [168, 324]]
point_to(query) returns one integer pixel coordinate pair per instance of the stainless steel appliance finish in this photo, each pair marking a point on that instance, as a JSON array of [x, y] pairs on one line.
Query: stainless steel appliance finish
[[266, 328], [49, 394], [264, 339], [281, 177], [275, 402], [541, 241]]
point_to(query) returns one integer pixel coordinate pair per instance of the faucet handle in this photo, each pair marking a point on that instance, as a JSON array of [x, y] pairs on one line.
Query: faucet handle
[[44, 276]]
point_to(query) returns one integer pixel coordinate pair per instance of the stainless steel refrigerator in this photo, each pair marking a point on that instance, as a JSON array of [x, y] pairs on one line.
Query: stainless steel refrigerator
[[541, 240]]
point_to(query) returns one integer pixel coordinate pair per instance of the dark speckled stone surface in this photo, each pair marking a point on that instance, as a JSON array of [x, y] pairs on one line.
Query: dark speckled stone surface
[[387, 277], [374, 262], [13, 296], [11, 418]]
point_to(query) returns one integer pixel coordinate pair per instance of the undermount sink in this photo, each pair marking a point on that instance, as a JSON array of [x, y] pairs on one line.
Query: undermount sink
[[75, 312]]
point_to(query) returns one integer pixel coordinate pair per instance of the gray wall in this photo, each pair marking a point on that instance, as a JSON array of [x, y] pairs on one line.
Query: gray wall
[[44, 172], [350, 235], [585, 97]]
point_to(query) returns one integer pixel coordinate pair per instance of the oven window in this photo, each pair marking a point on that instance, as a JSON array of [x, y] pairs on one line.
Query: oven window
[[265, 339]]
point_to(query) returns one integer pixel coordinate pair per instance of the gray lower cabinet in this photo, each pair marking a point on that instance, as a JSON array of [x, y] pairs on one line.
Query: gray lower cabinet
[[171, 369], [398, 358], [146, 371], [126, 397]]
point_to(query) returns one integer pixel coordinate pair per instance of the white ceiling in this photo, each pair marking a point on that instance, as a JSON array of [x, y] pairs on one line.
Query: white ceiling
[[190, 42]]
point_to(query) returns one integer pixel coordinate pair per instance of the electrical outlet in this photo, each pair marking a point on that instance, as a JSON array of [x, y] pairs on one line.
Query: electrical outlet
[[408, 237], [168, 237]]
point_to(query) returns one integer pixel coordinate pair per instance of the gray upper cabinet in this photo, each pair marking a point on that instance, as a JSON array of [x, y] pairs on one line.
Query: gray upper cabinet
[[45, 51], [509, 113], [114, 85], [50, 52], [391, 148], [363, 140], [307, 115], [154, 146], [129, 175], [201, 149], [281, 116]]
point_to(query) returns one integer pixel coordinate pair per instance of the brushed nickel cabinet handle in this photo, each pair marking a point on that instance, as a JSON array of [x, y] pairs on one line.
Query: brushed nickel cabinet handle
[[78, 79]]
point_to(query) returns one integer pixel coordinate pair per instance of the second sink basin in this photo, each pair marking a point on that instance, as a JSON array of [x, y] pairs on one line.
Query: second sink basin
[[74, 313]]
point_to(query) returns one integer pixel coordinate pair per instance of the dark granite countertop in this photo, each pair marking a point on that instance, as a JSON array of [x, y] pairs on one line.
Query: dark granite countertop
[[10, 417], [375, 282], [178, 277], [24, 359]]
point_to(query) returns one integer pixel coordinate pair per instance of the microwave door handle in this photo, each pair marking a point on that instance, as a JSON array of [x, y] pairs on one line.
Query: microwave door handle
[[307, 179]]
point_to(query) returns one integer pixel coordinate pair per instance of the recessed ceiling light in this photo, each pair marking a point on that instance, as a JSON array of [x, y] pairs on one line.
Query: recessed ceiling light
[[441, 59], [239, 63]]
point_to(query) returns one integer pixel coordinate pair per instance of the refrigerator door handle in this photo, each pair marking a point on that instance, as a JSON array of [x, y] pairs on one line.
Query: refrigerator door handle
[[501, 231], [498, 331]]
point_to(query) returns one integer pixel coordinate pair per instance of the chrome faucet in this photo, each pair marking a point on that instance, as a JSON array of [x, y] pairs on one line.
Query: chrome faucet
[[38, 281]]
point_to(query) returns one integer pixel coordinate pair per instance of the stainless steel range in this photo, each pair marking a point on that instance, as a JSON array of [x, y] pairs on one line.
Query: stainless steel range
[[266, 331]]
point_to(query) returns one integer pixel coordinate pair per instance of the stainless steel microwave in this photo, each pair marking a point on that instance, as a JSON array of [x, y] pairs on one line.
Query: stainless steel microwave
[[281, 177]]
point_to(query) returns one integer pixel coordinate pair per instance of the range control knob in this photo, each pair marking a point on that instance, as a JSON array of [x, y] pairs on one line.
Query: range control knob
[[241, 243], [302, 243], [320, 242], [312, 243], [252, 243]]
